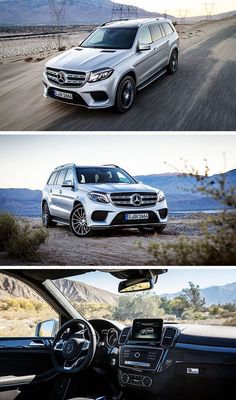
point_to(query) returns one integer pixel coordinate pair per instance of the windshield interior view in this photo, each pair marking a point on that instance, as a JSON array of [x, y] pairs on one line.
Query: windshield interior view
[[117, 334]]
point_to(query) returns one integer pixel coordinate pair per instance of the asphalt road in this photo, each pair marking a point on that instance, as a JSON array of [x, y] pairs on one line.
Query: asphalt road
[[199, 97]]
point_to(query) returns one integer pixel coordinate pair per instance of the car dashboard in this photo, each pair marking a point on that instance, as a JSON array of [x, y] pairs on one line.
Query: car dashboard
[[168, 360]]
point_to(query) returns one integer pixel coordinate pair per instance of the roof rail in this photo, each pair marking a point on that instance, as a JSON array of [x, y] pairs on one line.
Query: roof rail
[[111, 165], [114, 20], [66, 165]]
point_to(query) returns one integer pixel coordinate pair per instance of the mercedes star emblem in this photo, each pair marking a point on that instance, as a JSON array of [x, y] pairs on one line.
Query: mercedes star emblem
[[136, 200], [61, 77]]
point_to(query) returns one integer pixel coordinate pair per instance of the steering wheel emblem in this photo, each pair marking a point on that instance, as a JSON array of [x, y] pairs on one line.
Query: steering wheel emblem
[[61, 77], [136, 200], [69, 348]]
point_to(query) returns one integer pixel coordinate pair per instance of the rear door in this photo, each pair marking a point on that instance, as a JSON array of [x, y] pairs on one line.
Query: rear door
[[161, 46]]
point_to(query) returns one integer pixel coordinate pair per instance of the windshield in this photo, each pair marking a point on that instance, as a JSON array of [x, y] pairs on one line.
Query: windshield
[[111, 38], [103, 175], [196, 296]]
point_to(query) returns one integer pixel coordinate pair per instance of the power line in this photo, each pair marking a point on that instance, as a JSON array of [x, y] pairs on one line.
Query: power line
[[122, 11], [182, 16], [209, 7], [58, 18]]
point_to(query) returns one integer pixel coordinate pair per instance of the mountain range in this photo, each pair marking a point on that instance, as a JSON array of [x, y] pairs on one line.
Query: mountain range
[[81, 292], [214, 294], [25, 12], [180, 191]]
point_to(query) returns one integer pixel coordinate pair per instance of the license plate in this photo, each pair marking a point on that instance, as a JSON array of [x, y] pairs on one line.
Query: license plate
[[63, 95], [136, 217]]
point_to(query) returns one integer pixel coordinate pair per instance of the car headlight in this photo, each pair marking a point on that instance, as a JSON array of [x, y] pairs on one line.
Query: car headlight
[[160, 197], [100, 197], [100, 74]]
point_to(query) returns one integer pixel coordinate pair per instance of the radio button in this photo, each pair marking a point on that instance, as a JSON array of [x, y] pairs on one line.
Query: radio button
[[124, 378], [147, 381]]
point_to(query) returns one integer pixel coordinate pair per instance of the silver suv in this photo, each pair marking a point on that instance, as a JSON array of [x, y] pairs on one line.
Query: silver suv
[[89, 198], [116, 60]]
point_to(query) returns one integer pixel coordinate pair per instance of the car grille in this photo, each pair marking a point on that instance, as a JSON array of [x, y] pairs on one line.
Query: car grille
[[66, 78], [135, 199]]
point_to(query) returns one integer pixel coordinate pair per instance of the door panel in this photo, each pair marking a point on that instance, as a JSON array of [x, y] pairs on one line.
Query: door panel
[[25, 368]]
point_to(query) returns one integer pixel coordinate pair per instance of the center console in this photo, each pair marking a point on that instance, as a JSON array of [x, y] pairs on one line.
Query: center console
[[142, 348]]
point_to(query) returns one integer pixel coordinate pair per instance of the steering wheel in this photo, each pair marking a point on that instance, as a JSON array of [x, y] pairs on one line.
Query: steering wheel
[[71, 351]]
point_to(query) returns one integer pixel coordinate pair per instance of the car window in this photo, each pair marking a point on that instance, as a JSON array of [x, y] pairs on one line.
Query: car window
[[61, 177], [156, 32], [21, 308], [111, 38], [167, 28], [69, 175], [52, 178], [145, 36]]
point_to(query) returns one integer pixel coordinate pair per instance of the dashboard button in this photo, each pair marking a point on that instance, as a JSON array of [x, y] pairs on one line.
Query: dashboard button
[[147, 381]]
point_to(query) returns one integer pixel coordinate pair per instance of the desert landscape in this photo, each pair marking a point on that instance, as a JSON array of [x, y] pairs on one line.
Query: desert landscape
[[207, 50], [113, 247]]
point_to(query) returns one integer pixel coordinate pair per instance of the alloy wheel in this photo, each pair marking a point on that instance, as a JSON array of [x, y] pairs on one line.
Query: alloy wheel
[[79, 222]]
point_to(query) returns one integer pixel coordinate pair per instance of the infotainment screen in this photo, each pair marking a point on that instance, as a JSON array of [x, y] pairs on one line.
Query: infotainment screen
[[147, 329]]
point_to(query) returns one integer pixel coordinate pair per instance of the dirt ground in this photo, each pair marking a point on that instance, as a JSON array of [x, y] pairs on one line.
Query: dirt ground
[[127, 247]]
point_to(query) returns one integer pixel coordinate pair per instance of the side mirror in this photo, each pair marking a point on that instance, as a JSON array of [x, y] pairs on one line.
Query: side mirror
[[137, 284], [68, 184], [144, 47], [47, 329]]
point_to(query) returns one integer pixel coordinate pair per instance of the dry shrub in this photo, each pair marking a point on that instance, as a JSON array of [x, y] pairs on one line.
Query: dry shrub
[[24, 245], [8, 229], [19, 240]]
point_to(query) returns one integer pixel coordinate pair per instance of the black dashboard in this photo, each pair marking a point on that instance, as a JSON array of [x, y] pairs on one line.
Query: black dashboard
[[167, 360]]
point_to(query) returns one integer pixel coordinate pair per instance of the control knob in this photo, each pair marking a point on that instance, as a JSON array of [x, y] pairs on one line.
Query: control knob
[[147, 381], [125, 378]]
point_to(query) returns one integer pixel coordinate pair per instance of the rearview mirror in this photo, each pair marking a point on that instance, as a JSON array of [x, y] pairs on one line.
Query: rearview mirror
[[68, 184], [47, 329], [144, 47], [137, 284]]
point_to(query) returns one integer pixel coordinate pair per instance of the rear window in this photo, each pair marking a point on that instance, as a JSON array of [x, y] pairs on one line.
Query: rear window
[[156, 32], [61, 177], [52, 178], [167, 28]]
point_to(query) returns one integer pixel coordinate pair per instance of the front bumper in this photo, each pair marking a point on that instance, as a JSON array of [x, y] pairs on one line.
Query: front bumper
[[91, 95], [104, 216]]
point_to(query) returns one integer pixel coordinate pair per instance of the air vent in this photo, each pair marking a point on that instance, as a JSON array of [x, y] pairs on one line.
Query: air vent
[[108, 51], [124, 335], [169, 336]]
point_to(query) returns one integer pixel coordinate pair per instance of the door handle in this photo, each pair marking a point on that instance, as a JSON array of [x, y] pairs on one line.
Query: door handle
[[37, 343]]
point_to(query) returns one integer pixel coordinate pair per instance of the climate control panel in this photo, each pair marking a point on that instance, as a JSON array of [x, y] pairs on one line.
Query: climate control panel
[[136, 380]]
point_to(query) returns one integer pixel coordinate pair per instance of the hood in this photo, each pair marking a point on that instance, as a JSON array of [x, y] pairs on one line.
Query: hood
[[86, 59], [117, 187]]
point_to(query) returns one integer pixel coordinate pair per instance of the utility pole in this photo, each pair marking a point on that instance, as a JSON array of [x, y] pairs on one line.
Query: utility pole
[[58, 16], [209, 8], [122, 11], [182, 16]]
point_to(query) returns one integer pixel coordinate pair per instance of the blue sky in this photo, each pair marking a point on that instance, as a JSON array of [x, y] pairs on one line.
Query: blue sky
[[194, 7], [173, 281], [27, 160]]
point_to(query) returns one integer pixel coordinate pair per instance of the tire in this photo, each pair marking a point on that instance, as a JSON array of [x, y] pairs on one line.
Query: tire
[[146, 229], [125, 94], [46, 217], [160, 229], [78, 222], [174, 62]]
